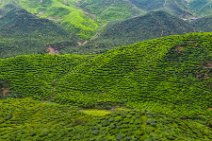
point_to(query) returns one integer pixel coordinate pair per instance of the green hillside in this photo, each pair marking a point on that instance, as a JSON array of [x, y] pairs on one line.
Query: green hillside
[[203, 24], [37, 73], [176, 7], [157, 70], [110, 10], [152, 25], [67, 14], [24, 33], [85, 17], [201, 7], [154, 90], [148, 67], [20, 22]]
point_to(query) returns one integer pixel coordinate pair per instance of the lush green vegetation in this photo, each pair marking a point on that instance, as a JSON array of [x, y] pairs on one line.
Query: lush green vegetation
[[201, 7], [154, 90], [140, 71], [84, 17], [110, 10], [27, 119], [163, 69], [81, 25], [67, 14], [19, 22], [152, 25], [203, 24], [37, 73], [24, 33], [159, 89]]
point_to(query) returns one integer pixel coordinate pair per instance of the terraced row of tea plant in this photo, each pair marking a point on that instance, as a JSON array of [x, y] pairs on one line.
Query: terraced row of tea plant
[[154, 90], [27, 119]]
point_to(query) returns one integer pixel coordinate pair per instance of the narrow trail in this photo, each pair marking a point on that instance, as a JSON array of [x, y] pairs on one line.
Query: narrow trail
[[98, 32]]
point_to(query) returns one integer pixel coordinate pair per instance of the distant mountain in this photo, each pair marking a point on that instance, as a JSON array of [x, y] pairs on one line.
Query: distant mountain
[[152, 25], [110, 10], [24, 33], [19, 21], [200, 7], [65, 13], [85, 17], [176, 7], [86, 20], [203, 24]]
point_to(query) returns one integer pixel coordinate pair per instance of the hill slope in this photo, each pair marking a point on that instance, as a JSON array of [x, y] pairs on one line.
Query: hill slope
[[67, 14], [110, 10], [176, 7], [203, 24], [201, 7], [154, 90], [152, 25], [19, 22], [84, 17], [23, 33], [171, 68], [126, 74]]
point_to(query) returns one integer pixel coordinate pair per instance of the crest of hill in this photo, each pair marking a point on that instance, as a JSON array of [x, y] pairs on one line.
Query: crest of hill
[[176, 7], [161, 69], [24, 33], [170, 70], [65, 13], [203, 24], [152, 25], [200, 8], [142, 90], [19, 22]]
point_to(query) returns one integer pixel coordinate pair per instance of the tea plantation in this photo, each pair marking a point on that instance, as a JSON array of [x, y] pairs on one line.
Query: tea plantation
[[159, 89]]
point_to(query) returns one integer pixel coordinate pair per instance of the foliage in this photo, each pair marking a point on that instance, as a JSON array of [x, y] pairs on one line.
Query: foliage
[[203, 24], [152, 25], [23, 33], [110, 10], [68, 15], [154, 90], [27, 119], [201, 7]]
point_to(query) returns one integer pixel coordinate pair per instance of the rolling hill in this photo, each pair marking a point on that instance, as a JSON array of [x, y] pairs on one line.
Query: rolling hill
[[110, 10], [201, 7], [203, 24], [72, 18], [176, 7], [113, 34], [84, 18], [24, 33], [133, 75], [20, 22], [152, 25], [159, 89]]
